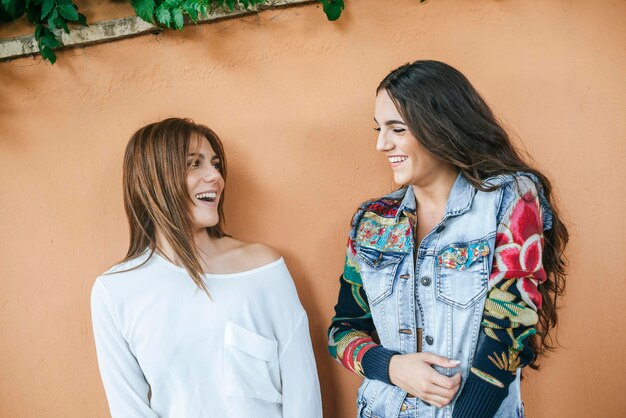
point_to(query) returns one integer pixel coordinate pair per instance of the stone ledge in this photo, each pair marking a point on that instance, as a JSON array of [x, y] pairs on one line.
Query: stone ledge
[[125, 27]]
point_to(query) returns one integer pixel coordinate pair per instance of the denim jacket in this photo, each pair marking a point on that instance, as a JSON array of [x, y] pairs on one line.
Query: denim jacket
[[441, 289]]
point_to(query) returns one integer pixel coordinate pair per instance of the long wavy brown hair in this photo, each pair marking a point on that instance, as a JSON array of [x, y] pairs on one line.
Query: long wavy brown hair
[[452, 121], [155, 191]]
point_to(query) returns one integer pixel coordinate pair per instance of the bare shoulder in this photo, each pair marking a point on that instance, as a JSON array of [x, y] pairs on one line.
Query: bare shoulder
[[242, 256], [259, 254]]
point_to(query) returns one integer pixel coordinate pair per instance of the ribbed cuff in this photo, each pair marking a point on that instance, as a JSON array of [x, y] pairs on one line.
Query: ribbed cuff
[[478, 399], [376, 363]]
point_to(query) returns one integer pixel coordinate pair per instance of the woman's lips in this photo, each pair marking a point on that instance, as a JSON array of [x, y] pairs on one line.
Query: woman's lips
[[396, 160]]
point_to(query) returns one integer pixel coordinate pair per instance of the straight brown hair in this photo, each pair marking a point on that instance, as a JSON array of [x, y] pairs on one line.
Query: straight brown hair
[[155, 191]]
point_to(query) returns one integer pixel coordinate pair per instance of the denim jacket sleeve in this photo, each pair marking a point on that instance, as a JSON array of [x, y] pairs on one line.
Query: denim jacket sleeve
[[350, 339], [510, 313]]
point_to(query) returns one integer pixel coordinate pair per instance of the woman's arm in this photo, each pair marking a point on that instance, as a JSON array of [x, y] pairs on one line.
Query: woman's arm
[[300, 384], [350, 334], [510, 313], [124, 382]]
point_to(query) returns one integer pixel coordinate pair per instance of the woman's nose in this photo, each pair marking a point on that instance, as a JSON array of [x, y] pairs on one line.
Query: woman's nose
[[210, 174], [382, 144]]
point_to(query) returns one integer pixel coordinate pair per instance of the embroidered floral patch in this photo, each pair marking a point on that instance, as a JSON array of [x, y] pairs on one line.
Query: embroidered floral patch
[[383, 237], [459, 257], [519, 248]]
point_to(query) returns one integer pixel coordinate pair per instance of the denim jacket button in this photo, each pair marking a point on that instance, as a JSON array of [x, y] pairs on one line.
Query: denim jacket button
[[425, 281], [440, 228], [429, 340]]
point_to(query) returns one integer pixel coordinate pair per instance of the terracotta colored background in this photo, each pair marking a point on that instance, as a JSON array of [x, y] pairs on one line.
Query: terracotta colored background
[[292, 97]]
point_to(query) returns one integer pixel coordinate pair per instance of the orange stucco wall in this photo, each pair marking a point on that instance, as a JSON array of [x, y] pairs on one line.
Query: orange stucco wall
[[291, 95]]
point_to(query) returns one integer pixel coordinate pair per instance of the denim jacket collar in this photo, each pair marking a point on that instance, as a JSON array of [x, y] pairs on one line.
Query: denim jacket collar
[[459, 201]]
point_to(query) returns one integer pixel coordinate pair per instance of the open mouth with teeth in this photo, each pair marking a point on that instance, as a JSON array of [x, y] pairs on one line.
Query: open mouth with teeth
[[207, 197], [398, 159]]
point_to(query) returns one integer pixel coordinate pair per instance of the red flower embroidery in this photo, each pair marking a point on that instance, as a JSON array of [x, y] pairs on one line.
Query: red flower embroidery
[[351, 249], [519, 244]]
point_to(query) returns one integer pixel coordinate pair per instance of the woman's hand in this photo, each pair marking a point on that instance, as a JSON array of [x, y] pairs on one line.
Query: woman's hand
[[414, 374]]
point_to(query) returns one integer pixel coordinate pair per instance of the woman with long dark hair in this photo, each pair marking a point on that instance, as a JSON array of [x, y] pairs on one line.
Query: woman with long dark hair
[[194, 323], [451, 283]]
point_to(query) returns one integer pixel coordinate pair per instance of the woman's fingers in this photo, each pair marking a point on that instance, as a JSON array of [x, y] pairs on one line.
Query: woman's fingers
[[445, 381], [443, 392], [438, 401], [415, 374], [434, 384], [432, 358], [446, 387]]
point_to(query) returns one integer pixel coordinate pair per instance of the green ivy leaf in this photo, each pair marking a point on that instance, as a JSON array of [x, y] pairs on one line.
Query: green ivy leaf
[[34, 15], [82, 20], [46, 41], [177, 14], [53, 18], [144, 9], [230, 4], [332, 8], [163, 15], [15, 8], [46, 8], [190, 8], [203, 9], [61, 24], [69, 12], [50, 41], [48, 54]]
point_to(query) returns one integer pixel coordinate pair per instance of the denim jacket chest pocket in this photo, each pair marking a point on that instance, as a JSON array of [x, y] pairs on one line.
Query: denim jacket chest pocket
[[462, 273], [378, 269]]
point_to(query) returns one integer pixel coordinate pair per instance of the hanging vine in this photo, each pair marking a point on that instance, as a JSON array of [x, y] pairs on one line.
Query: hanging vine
[[52, 17]]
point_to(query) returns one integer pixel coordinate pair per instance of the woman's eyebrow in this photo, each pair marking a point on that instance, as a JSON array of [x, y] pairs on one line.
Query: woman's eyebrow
[[391, 122], [394, 122]]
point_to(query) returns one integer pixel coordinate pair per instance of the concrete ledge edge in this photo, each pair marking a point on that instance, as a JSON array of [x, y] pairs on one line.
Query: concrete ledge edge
[[125, 27]]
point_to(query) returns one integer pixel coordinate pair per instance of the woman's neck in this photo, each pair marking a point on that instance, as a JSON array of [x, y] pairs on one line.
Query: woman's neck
[[432, 195], [205, 245]]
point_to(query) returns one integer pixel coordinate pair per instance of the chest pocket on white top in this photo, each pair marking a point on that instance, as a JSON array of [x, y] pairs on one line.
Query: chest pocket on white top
[[250, 362], [378, 270], [462, 273]]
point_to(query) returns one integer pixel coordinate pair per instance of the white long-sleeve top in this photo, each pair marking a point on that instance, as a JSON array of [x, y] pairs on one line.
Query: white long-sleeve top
[[166, 350]]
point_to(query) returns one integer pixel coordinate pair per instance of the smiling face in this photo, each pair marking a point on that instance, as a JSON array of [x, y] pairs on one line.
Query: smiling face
[[411, 163], [204, 183]]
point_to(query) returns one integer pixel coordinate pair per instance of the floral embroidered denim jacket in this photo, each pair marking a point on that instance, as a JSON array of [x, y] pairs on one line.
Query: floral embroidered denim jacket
[[470, 287]]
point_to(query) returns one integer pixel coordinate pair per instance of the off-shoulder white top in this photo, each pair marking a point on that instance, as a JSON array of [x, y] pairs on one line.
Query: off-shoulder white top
[[245, 353]]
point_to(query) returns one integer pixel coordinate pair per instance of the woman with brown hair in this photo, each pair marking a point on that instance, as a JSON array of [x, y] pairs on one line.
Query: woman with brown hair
[[451, 282], [192, 322]]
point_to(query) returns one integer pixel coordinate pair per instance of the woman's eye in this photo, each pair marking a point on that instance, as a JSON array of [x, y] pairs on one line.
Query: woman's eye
[[217, 166], [377, 129], [399, 130], [193, 163]]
